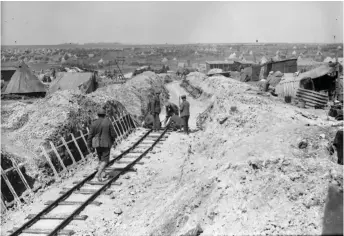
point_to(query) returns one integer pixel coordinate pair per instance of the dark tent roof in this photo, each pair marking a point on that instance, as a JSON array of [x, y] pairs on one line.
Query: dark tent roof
[[24, 81], [85, 82]]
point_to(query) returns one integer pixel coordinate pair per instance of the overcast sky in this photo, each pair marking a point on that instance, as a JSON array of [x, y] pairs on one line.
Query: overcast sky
[[41, 23]]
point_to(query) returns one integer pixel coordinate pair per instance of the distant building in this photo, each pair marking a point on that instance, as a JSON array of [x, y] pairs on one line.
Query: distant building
[[224, 65]]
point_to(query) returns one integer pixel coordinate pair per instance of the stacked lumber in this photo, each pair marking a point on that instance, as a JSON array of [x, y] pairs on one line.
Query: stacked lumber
[[312, 98]]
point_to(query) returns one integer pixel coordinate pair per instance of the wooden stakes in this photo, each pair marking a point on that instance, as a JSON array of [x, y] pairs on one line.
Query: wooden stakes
[[9, 185], [58, 156], [126, 124], [14, 163], [77, 146], [50, 162], [68, 150], [83, 138]]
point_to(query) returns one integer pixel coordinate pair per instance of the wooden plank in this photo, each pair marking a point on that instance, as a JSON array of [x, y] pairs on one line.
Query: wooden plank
[[116, 140], [83, 138], [77, 147], [43, 231], [123, 131], [314, 92], [132, 119], [3, 205], [57, 217], [58, 156], [85, 191], [27, 186], [311, 96], [9, 185], [13, 168], [68, 150], [124, 125], [119, 130], [70, 203], [310, 102], [50, 163]]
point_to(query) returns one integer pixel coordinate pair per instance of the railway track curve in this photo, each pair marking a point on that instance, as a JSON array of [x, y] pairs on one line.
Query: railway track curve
[[146, 142]]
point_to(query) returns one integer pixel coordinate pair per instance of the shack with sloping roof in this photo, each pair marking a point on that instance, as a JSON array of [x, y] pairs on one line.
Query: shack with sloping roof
[[284, 66], [321, 81], [85, 82], [224, 65]]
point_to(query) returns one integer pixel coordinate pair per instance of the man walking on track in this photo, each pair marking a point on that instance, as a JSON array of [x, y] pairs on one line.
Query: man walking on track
[[101, 137], [185, 113]]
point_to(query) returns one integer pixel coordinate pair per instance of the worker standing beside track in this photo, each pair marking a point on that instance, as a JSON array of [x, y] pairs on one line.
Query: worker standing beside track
[[185, 113], [101, 137], [155, 111]]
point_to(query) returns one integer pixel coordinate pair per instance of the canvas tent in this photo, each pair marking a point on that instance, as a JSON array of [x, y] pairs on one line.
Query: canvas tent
[[23, 81], [85, 82]]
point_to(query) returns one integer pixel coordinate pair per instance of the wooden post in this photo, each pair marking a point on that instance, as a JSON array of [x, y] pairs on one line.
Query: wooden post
[[119, 130], [83, 138], [125, 125], [21, 176], [50, 162], [3, 205], [77, 146], [8, 183], [132, 120], [119, 121], [114, 129], [68, 150], [128, 122], [58, 156]]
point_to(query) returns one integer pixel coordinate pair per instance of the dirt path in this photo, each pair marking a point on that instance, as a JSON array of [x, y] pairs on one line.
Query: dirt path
[[196, 106]]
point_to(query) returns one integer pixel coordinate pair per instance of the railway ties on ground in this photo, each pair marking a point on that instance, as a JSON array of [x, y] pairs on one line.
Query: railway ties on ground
[[127, 159]]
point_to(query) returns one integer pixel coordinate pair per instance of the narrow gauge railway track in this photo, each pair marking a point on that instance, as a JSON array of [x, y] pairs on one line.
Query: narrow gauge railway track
[[146, 141]]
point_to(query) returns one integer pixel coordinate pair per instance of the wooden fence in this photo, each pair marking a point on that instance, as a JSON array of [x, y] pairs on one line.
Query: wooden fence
[[71, 151]]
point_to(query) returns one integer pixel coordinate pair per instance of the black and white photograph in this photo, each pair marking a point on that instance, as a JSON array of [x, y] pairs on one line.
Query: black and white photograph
[[171, 118]]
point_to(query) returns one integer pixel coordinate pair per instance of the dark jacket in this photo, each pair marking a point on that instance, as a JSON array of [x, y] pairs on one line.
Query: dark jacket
[[108, 134], [185, 109], [175, 121], [154, 106], [172, 109]]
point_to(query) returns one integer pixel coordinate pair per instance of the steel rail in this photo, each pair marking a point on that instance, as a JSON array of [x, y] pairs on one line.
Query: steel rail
[[77, 211], [69, 192]]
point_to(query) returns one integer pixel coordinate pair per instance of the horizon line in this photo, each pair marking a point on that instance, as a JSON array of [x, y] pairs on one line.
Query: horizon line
[[80, 44]]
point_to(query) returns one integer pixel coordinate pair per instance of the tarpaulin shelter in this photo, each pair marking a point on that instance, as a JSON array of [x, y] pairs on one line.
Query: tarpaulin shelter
[[321, 78], [23, 81], [85, 82]]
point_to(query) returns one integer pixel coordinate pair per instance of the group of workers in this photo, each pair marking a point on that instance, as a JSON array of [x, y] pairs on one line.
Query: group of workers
[[102, 134], [176, 117]]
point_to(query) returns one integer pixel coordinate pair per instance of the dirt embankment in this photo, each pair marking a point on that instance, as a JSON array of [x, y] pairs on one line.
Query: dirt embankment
[[263, 183], [26, 127]]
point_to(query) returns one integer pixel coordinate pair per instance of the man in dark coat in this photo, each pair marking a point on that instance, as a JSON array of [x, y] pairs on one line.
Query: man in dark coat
[[338, 143], [171, 109], [185, 113], [156, 109], [103, 129]]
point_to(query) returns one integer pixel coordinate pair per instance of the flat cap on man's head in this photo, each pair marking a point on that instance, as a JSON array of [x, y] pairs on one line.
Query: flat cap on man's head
[[101, 111], [183, 96]]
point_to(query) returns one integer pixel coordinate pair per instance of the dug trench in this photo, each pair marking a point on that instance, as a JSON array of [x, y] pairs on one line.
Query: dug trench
[[26, 128], [242, 174]]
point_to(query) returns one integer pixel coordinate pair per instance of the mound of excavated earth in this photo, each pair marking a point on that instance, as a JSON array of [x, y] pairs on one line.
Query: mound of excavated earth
[[261, 181], [26, 127]]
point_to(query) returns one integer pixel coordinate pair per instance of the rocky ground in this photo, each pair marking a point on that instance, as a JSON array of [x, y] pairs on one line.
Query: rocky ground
[[244, 174]]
